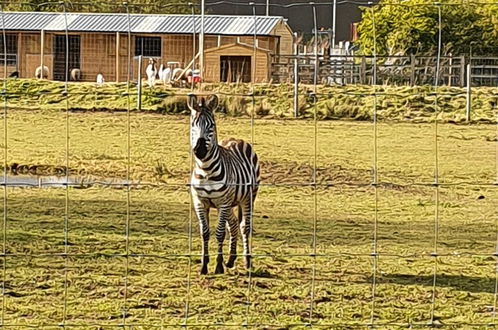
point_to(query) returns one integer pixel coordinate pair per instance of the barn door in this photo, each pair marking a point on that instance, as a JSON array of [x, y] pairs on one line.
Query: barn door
[[60, 56], [235, 69]]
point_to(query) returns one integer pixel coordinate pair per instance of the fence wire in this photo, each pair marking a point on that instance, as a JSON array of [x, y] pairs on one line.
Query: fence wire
[[5, 154], [189, 318]]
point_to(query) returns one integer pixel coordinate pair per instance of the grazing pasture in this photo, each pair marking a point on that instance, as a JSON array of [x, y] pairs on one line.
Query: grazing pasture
[[91, 285]]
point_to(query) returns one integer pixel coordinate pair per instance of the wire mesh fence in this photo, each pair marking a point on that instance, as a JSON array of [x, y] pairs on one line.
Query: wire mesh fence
[[374, 223]]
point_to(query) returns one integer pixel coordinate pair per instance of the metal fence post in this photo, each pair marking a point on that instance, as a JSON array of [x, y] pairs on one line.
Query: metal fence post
[[450, 70], [139, 84], [296, 80], [469, 92]]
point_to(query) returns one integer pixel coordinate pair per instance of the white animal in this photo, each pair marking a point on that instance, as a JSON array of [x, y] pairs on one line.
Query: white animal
[[75, 74], [38, 72], [160, 72], [151, 72], [176, 75], [100, 79], [167, 76]]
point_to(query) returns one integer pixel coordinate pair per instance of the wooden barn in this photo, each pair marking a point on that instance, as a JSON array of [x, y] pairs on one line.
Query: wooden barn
[[98, 43]]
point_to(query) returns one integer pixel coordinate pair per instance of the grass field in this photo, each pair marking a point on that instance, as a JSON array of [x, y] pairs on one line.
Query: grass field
[[282, 289]]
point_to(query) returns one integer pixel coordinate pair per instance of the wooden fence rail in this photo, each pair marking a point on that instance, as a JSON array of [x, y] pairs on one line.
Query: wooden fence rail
[[393, 70]]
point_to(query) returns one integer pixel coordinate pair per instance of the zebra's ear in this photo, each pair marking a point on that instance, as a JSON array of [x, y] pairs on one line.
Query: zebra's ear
[[192, 103], [212, 102]]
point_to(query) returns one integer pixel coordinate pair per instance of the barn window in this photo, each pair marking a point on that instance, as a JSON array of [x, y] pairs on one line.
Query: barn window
[[148, 46], [11, 43]]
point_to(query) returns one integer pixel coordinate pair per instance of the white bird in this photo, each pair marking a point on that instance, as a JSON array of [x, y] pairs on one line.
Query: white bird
[[151, 72], [167, 75], [100, 79]]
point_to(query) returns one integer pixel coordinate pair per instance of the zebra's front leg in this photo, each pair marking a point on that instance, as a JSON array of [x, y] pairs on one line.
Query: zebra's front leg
[[224, 215], [202, 212], [246, 230]]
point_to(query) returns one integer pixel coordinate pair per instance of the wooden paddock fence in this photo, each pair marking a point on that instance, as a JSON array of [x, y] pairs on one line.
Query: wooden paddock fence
[[391, 70]]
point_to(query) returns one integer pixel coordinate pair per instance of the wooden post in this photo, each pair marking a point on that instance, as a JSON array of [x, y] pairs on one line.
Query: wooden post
[[462, 71], [363, 70], [42, 53], [469, 92], [118, 46], [139, 84], [20, 51], [413, 60], [296, 79]]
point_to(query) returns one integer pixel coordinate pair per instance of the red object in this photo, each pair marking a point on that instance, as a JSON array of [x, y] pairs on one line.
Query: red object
[[195, 79]]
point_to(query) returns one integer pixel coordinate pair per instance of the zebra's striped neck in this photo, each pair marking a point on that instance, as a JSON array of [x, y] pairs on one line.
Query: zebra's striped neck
[[211, 158]]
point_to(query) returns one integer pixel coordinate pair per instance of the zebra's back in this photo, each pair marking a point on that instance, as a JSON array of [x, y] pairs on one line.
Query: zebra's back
[[246, 157]]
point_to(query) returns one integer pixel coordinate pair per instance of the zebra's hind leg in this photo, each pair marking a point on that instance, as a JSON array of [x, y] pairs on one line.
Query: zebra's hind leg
[[233, 227], [224, 215], [246, 230], [203, 216]]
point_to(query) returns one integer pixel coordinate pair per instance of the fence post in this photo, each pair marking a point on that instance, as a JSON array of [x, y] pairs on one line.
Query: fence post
[[139, 84], [296, 82], [42, 54], [469, 92], [450, 70], [412, 70], [462, 71], [363, 70]]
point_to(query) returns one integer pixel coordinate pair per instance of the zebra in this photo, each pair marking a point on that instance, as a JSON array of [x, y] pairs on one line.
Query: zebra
[[225, 175]]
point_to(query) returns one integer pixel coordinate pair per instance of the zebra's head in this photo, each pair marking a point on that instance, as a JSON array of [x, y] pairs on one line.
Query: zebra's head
[[202, 126]]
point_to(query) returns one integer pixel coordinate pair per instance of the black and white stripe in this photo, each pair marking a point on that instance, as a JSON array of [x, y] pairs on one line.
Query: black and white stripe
[[225, 176]]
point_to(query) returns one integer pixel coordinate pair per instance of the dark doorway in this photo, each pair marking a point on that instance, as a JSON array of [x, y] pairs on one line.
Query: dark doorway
[[235, 68], [60, 56]]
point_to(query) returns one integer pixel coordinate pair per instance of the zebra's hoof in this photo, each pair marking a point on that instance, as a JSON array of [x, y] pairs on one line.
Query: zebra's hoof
[[231, 262], [204, 270], [219, 269], [248, 262]]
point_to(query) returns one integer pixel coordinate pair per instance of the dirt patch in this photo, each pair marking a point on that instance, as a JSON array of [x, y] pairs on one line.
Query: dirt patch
[[296, 173], [272, 173]]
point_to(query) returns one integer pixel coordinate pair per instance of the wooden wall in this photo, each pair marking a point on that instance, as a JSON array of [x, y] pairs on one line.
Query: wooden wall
[[286, 39], [29, 56], [98, 54], [212, 60]]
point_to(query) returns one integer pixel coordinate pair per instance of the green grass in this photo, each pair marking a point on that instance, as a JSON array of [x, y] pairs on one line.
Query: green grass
[[281, 291], [352, 102]]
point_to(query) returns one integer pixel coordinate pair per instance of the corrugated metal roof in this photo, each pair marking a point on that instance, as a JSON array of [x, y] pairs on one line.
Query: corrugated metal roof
[[139, 23]]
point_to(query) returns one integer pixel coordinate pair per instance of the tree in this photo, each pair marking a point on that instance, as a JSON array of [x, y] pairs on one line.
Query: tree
[[105, 6], [412, 27]]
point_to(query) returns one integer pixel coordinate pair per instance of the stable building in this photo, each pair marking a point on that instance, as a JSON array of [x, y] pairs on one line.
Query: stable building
[[111, 43]]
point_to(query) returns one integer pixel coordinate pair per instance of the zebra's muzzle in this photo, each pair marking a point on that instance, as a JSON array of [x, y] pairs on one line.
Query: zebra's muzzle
[[200, 149]]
